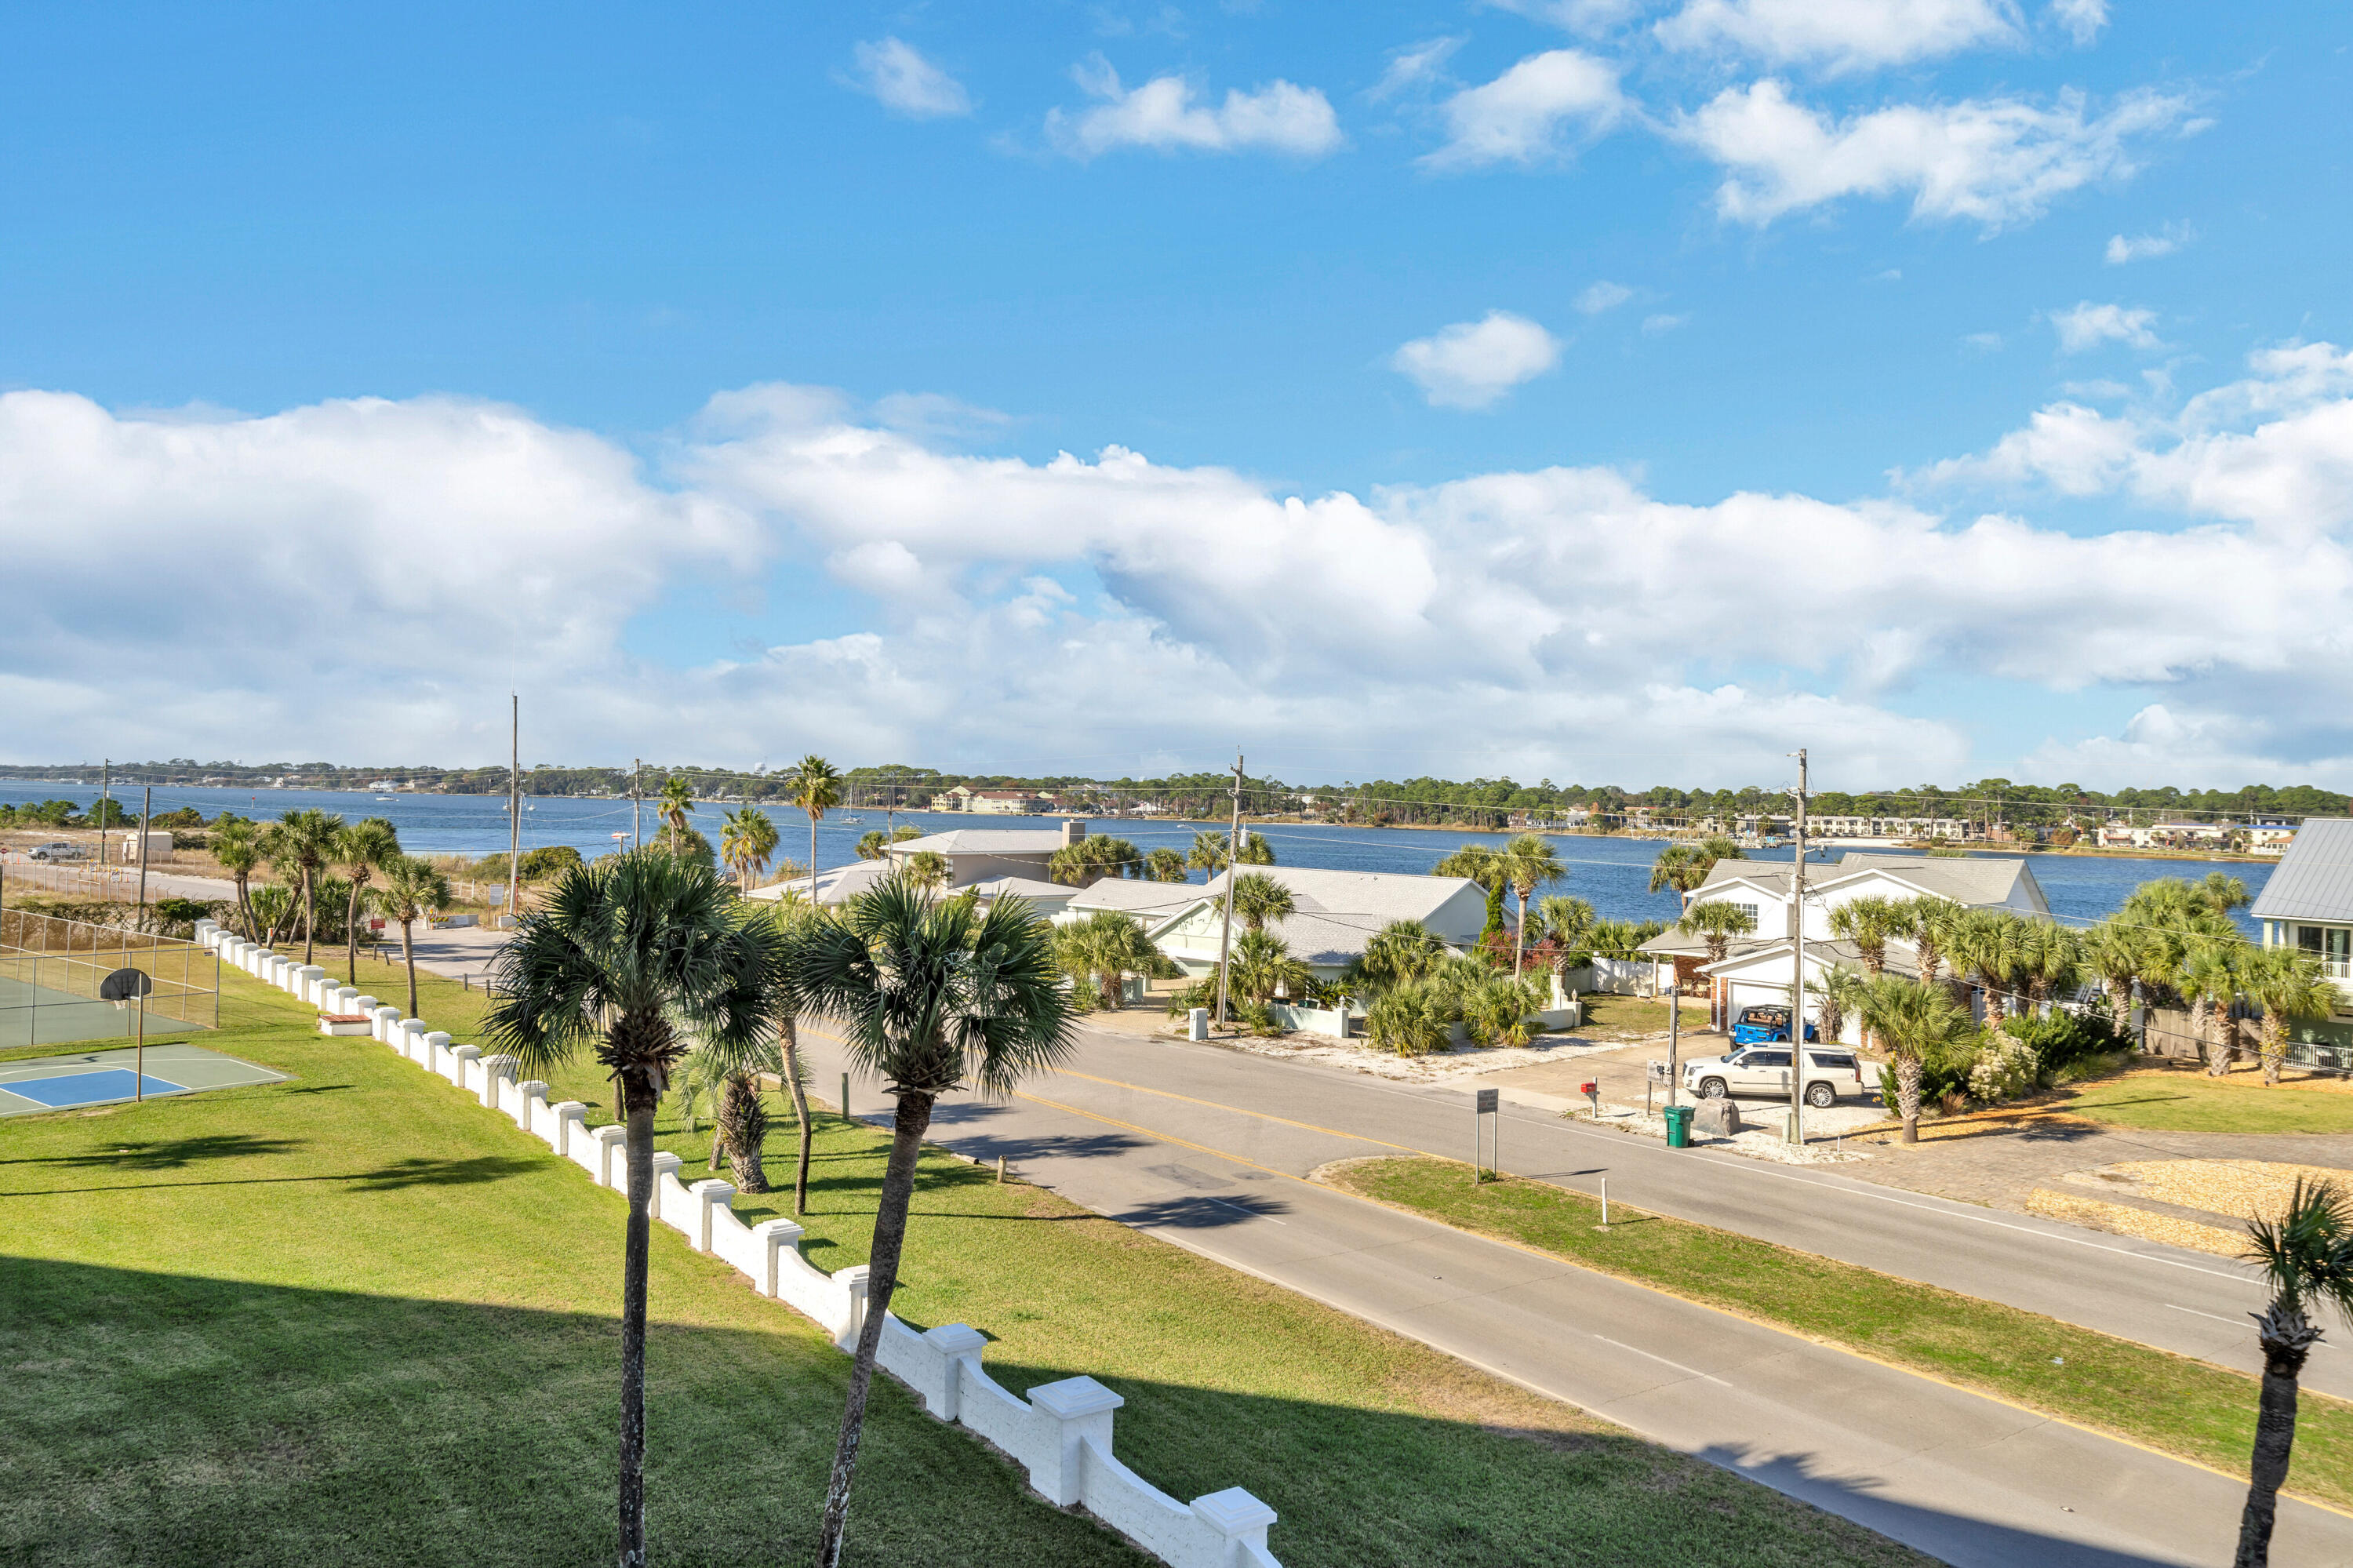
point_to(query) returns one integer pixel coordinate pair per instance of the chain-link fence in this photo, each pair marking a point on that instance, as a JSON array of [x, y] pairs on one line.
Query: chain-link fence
[[50, 969]]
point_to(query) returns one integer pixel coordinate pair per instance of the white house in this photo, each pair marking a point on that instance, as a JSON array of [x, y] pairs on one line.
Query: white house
[[2308, 903], [978, 855], [1335, 913]]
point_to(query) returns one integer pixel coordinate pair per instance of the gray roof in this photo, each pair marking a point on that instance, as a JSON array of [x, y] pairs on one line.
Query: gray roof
[[2313, 880], [837, 885], [1828, 955], [1149, 898], [985, 840], [1971, 879], [1020, 886], [1357, 896]]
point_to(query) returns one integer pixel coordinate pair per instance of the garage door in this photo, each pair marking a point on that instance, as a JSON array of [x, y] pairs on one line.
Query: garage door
[[1749, 993]]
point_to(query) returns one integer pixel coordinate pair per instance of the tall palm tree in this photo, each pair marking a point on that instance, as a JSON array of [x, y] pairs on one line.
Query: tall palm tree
[[1105, 948], [675, 807], [815, 786], [306, 841], [2222, 892], [361, 850], [1209, 851], [2307, 1259], [1164, 865], [2114, 951], [1717, 922], [927, 869], [747, 843], [785, 917], [1474, 863], [876, 843], [2050, 959], [1869, 924], [413, 888], [636, 953], [1400, 952], [1093, 858], [1261, 964], [1915, 1020], [236, 846], [1259, 898], [931, 996], [2287, 983], [1928, 923], [1684, 867], [1987, 946], [1529, 863], [2207, 974]]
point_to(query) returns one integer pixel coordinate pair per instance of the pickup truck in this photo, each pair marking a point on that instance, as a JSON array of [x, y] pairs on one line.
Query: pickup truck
[[1762, 1071]]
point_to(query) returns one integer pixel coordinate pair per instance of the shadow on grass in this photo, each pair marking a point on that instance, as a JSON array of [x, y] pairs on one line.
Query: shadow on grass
[[412, 1173], [232, 1419], [171, 1154]]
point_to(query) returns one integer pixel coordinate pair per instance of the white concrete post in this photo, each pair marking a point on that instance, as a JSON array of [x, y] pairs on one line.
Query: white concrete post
[[494, 1070], [433, 1040], [614, 1140], [957, 1343], [853, 1280], [386, 1027], [709, 1192], [346, 997], [459, 1056], [205, 929], [410, 1034], [365, 1006], [1082, 1407], [1239, 1517], [311, 978], [530, 1093], [277, 970], [569, 1124], [775, 1236]]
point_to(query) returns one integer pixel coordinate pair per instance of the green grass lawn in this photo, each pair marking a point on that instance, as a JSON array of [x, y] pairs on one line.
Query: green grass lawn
[[2187, 1407], [1628, 1016], [356, 1317], [2186, 1100]]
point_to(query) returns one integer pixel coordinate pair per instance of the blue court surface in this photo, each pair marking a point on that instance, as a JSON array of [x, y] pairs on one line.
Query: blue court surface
[[107, 1077]]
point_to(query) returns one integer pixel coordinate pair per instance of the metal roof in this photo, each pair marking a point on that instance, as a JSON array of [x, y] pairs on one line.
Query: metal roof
[[2313, 880]]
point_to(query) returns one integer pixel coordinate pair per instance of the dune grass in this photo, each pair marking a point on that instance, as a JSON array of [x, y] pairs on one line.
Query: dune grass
[[356, 1317]]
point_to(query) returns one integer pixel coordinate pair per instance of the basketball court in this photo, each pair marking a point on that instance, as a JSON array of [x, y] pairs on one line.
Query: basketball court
[[110, 1078]]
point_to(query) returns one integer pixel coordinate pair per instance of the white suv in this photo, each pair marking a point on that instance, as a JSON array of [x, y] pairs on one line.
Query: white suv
[[56, 852], [1756, 1072]]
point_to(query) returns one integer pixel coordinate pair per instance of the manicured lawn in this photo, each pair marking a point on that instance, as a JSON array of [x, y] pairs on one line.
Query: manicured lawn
[[358, 1318], [1628, 1016], [2186, 1100], [2167, 1402]]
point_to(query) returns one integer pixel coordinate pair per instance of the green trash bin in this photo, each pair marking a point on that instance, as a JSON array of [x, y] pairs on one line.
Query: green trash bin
[[1679, 1119]]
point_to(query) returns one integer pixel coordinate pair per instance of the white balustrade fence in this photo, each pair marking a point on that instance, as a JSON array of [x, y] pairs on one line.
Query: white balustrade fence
[[1061, 1433]]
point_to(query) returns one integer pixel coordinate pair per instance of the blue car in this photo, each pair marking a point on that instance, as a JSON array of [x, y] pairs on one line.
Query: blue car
[[1763, 1025]]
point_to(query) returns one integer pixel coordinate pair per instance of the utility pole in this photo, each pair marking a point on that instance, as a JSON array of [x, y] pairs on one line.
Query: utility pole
[[146, 815], [514, 802], [105, 799], [636, 787], [1797, 971], [1233, 859]]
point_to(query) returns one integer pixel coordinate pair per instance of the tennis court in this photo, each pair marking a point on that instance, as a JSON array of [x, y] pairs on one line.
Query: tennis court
[[110, 1076]]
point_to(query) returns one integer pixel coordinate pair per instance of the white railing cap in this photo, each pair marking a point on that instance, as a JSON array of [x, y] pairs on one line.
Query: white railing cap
[[955, 1339], [1073, 1397], [1233, 1511]]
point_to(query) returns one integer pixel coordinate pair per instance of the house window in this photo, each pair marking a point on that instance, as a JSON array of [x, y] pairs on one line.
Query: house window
[[1750, 910], [2332, 945]]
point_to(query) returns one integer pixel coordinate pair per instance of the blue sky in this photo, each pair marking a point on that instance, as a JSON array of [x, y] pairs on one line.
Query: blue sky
[[797, 307]]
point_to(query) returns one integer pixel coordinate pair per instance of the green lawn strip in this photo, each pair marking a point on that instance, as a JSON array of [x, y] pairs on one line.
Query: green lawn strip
[[2192, 1102], [386, 1315], [2183, 1406]]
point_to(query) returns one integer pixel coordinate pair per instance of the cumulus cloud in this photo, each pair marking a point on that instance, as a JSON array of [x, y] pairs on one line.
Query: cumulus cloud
[[1994, 161], [2144, 247], [2079, 19], [1533, 112], [2086, 326], [1162, 114], [1595, 298], [904, 83], [1840, 35], [1472, 364], [1415, 67], [366, 578]]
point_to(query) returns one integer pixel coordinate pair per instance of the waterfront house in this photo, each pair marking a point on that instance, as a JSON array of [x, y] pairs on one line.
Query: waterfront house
[[2308, 903]]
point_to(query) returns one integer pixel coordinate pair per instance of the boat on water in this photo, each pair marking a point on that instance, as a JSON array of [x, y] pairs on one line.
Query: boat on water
[[851, 821]]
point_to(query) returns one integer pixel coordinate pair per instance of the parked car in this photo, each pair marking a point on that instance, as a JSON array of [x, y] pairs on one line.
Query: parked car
[[1756, 1025], [56, 852], [1762, 1071]]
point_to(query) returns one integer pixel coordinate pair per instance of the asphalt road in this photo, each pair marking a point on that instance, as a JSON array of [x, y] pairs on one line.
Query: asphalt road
[[1208, 1149]]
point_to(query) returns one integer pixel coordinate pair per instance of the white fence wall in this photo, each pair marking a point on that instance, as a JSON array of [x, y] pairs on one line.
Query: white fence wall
[[1061, 1433]]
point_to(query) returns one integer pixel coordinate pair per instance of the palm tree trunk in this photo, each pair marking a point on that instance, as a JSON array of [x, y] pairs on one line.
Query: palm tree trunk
[[640, 1148], [351, 937], [2275, 1442], [1520, 933], [1907, 1096], [788, 1033], [2274, 1046], [883, 1277], [309, 917], [812, 860], [409, 953]]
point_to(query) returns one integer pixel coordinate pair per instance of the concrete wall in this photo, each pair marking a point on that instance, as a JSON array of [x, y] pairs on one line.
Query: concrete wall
[[1059, 1433]]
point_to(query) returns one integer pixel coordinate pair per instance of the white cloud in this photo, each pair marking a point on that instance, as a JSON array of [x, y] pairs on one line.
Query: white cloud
[[1414, 66], [1582, 16], [2086, 326], [1663, 322], [1982, 342], [1840, 35], [366, 578], [1995, 161], [1598, 297], [906, 83], [1472, 364], [1279, 117], [1529, 112], [2143, 247], [2080, 19]]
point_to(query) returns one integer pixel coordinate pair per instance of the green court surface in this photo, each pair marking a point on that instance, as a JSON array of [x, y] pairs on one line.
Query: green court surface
[[109, 1077], [43, 1016]]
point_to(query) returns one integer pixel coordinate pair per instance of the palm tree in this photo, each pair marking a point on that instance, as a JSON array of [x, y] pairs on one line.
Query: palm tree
[[1164, 865], [2050, 959], [1717, 921], [2287, 983], [1106, 948], [675, 807], [364, 847], [1915, 1020], [1410, 1019], [414, 887], [876, 844], [1928, 923], [305, 843], [1869, 924], [1987, 945], [1684, 867], [2307, 1259], [815, 786], [1259, 898], [927, 869], [2114, 950], [746, 842], [1261, 965], [1209, 851], [236, 844], [1089, 860], [1566, 920], [786, 917], [636, 953], [1398, 953], [1474, 863], [2222, 892], [931, 995], [1529, 863], [2207, 974]]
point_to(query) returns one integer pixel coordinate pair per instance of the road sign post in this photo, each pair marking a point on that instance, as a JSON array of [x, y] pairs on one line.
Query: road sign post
[[1486, 1103]]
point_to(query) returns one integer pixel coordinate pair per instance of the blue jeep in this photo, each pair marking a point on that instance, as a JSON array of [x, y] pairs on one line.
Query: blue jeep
[[1763, 1025]]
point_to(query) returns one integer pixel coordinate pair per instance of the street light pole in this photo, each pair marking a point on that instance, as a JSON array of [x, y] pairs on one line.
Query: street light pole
[[1797, 969], [1233, 861]]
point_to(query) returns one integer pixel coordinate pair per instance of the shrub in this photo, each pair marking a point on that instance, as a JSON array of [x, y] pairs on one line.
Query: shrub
[[2063, 1039], [1200, 993], [1497, 1011], [2006, 1068], [1258, 1018], [1410, 1018]]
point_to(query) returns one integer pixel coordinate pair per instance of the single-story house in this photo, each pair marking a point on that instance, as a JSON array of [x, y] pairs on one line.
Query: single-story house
[[1335, 913], [843, 883], [977, 854], [2308, 903]]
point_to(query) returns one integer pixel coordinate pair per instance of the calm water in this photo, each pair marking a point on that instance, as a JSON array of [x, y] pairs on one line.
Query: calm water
[[1613, 875]]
